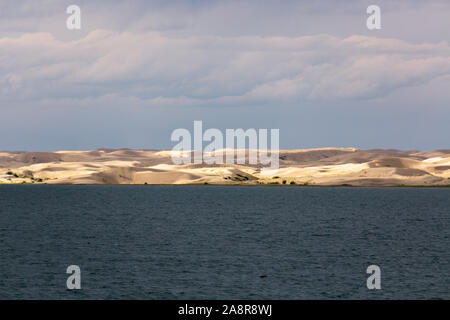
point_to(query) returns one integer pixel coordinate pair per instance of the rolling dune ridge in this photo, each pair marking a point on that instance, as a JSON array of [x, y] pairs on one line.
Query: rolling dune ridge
[[322, 166]]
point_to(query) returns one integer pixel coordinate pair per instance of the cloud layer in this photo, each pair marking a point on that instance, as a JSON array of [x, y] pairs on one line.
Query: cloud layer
[[158, 69], [141, 68]]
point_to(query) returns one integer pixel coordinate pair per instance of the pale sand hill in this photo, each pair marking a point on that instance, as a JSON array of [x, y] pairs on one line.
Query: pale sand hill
[[324, 166]]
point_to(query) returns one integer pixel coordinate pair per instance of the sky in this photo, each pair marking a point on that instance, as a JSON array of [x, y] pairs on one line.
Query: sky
[[137, 70]]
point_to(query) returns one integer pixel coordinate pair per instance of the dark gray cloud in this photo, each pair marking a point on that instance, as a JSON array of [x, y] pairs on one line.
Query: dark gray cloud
[[411, 20]]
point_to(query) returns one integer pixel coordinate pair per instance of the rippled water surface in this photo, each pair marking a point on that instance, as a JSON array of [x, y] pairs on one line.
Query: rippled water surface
[[206, 242]]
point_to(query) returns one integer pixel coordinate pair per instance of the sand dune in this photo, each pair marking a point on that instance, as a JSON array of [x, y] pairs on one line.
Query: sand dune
[[323, 166]]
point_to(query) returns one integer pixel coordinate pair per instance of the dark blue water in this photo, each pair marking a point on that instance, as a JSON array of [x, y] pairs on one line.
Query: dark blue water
[[205, 242]]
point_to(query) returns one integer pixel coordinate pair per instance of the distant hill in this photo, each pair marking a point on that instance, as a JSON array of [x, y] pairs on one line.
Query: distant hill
[[322, 166]]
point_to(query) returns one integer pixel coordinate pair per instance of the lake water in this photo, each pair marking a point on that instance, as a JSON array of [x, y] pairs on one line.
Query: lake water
[[208, 242]]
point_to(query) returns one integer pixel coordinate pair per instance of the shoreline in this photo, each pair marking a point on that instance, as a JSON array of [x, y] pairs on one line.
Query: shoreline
[[232, 185]]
